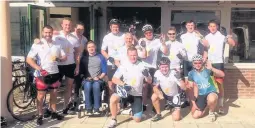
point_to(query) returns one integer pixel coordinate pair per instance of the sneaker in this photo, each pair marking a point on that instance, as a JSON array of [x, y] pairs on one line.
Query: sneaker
[[212, 116], [157, 117], [89, 112], [221, 110], [96, 112], [54, 115], [65, 111], [112, 123], [39, 120], [126, 112], [47, 113]]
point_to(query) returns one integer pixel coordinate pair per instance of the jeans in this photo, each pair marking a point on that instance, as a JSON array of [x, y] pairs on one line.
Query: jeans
[[92, 87]]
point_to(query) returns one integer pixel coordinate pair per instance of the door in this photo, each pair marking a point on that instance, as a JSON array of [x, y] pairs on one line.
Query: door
[[37, 18]]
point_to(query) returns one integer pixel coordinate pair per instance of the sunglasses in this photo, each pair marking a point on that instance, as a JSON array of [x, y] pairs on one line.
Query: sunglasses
[[171, 33]]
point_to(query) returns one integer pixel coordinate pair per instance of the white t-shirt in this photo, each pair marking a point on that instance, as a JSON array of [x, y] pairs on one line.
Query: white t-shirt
[[175, 48], [47, 55], [168, 83], [152, 48], [190, 42], [83, 39], [113, 43], [215, 51], [68, 43], [122, 54], [132, 75]]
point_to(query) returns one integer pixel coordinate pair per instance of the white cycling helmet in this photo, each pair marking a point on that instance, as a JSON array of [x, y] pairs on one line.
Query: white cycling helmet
[[147, 27], [197, 57], [121, 91]]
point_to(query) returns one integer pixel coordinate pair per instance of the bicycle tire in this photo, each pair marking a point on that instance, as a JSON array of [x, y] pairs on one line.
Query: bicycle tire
[[11, 108], [28, 92]]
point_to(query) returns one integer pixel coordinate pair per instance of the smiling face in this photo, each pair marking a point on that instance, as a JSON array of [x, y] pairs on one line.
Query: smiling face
[[190, 27], [47, 34], [128, 39], [79, 30], [91, 48], [115, 28], [213, 27], [148, 35], [164, 69], [132, 55], [66, 25], [171, 35], [198, 65]]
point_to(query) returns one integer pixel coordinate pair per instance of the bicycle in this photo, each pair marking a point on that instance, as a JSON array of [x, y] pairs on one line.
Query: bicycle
[[22, 95]]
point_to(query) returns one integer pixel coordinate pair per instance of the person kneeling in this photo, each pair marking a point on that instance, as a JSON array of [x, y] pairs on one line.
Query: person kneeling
[[130, 89], [204, 85], [166, 84], [93, 68]]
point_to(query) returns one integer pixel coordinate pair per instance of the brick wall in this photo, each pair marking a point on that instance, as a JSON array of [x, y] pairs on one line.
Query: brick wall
[[239, 83]]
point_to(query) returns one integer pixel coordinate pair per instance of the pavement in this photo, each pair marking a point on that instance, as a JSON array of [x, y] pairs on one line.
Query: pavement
[[240, 113]]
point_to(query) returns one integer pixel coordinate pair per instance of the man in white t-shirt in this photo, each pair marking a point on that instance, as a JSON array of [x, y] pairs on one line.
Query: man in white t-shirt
[[177, 52], [70, 67], [194, 44], [78, 33], [133, 73], [167, 84], [112, 42], [149, 56], [48, 53], [216, 55]]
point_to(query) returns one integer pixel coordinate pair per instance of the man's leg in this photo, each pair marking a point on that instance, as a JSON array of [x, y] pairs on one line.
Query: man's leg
[[78, 81], [97, 96], [137, 107], [114, 100], [53, 101], [176, 115], [68, 93], [145, 93], [156, 104], [40, 97], [212, 100], [87, 90]]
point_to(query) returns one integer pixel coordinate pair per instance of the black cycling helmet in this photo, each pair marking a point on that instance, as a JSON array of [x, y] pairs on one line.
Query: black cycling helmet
[[147, 27], [114, 21], [164, 61]]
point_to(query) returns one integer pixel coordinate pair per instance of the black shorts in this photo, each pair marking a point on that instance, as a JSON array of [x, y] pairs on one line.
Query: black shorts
[[136, 104], [47, 82], [201, 101], [51, 78], [66, 70], [111, 71], [187, 67], [176, 103], [219, 66]]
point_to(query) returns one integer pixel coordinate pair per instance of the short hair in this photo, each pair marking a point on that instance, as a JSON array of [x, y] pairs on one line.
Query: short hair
[[212, 22], [48, 27], [172, 28], [67, 18], [128, 33], [90, 42], [190, 21], [79, 23], [132, 48]]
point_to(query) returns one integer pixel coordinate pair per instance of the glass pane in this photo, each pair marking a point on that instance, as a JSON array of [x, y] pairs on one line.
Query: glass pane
[[243, 26], [37, 23], [179, 17], [136, 17]]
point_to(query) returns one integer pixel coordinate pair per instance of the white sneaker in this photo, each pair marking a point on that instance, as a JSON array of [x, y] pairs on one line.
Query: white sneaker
[[126, 112], [112, 123], [212, 116]]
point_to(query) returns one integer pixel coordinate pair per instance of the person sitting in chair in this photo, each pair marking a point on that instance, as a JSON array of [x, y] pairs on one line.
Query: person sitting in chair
[[93, 69]]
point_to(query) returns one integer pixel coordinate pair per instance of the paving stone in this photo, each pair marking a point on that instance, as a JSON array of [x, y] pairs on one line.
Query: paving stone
[[185, 125], [234, 125], [209, 125], [248, 125]]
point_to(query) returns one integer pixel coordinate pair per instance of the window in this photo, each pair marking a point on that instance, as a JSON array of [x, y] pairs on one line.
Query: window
[[243, 27]]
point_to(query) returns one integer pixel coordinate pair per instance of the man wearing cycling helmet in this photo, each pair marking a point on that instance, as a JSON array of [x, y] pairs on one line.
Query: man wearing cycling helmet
[[152, 46], [166, 86], [48, 53], [215, 54], [133, 73], [112, 42], [204, 87]]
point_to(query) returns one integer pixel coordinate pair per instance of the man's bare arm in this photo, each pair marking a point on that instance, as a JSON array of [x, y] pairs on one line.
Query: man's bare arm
[[32, 63]]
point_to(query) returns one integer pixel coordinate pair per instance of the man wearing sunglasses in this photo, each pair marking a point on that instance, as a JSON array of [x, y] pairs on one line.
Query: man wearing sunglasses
[[215, 55], [204, 87], [152, 46], [194, 44]]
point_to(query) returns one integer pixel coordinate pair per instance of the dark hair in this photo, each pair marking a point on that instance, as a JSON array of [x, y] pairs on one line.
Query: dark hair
[[212, 22], [48, 27], [164, 61], [85, 51], [79, 23], [190, 21], [172, 28]]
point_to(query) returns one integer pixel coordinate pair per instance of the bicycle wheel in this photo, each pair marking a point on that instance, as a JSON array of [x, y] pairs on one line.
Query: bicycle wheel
[[19, 102]]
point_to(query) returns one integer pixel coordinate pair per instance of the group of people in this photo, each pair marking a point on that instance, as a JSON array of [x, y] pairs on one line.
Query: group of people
[[131, 69]]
